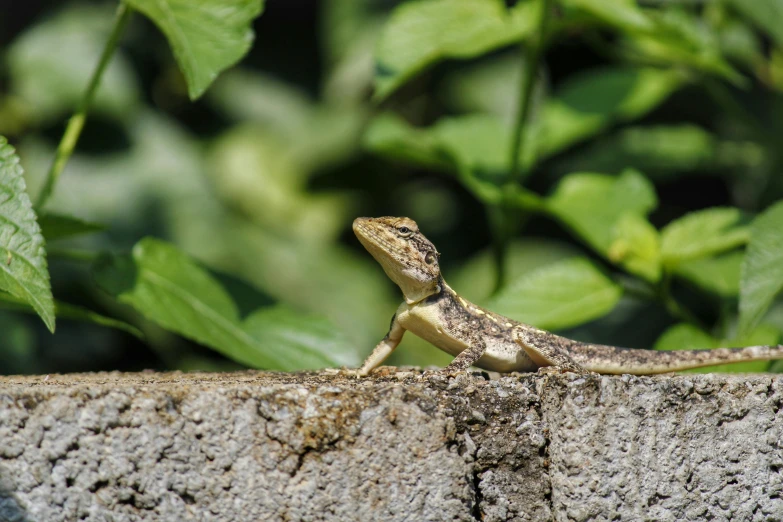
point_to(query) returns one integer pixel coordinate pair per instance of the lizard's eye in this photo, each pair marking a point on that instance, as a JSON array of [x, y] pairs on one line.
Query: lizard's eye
[[405, 231], [430, 258]]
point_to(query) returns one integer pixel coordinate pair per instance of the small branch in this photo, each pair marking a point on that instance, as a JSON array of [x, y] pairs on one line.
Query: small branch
[[76, 123], [530, 72], [674, 307], [504, 214]]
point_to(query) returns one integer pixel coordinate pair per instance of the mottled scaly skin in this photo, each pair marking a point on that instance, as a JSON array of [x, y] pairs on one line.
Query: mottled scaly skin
[[480, 337]]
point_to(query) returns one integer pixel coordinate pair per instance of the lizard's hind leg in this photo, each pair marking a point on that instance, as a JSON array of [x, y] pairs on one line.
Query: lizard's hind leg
[[545, 350]]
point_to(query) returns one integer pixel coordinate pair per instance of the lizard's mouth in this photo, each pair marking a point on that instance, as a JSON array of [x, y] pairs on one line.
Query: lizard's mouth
[[369, 237]]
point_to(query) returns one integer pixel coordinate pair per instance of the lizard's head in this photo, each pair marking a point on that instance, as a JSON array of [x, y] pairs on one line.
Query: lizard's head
[[407, 257]]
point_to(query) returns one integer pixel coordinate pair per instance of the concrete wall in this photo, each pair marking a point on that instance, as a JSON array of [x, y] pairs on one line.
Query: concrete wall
[[263, 446]]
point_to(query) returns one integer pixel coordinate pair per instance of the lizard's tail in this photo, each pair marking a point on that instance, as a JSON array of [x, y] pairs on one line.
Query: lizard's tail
[[613, 360]]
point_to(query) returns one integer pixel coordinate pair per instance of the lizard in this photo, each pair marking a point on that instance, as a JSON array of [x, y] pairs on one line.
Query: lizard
[[479, 337]]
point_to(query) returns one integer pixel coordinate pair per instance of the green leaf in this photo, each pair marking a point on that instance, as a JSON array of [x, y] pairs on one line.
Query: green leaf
[[169, 288], [659, 150], [50, 65], [299, 340], [69, 311], [761, 278], [593, 204], [476, 278], [623, 14], [701, 234], [636, 246], [767, 14], [685, 336], [423, 32], [585, 105], [23, 270], [720, 275], [58, 226], [391, 136], [561, 295], [589, 102], [207, 36], [474, 146], [681, 38]]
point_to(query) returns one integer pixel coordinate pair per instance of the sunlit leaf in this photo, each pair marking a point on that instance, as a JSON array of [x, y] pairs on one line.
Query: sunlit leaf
[[636, 246], [476, 278], [391, 136], [685, 336], [591, 101], [622, 14], [701, 234], [681, 38], [421, 33], [23, 270], [257, 172], [169, 288], [593, 204], [59, 226], [561, 295], [207, 36], [663, 150], [762, 270], [51, 63], [720, 274], [475, 146]]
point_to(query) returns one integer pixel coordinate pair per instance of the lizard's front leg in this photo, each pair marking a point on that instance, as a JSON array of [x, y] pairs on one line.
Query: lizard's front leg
[[542, 347], [384, 348]]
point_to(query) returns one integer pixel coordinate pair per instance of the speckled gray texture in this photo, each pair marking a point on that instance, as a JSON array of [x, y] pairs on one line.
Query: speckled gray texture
[[288, 447]]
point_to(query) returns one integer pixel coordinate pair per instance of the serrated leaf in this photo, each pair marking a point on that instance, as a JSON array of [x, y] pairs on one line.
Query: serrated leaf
[[636, 246], [207, 36], [561, 295], [421, 33], [69, 311], [701, 234], [592, 204], [169, 288], [761, 277], [685, 336], [720, 274], [59, 226], [23, 270], [299, 340]]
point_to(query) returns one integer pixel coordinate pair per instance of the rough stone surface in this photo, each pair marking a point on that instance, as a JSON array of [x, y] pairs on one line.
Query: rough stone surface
[[319, 446]]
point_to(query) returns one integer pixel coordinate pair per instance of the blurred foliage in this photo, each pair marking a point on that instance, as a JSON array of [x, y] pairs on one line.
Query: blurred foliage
[[614, 165]]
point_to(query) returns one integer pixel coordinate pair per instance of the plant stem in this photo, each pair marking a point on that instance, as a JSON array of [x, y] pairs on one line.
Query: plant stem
[[530, 72], [76, 123], [503, 215], [674, 307]]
